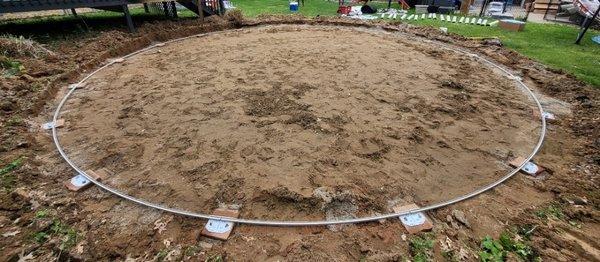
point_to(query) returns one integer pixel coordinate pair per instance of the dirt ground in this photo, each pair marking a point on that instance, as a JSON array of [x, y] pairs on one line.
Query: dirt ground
[[273, 129]]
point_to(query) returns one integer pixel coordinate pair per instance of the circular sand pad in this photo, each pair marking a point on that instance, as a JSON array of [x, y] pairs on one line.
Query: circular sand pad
[[299, 123]]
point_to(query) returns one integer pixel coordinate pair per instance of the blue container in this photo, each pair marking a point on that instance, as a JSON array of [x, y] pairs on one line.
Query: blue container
[[294, 6]]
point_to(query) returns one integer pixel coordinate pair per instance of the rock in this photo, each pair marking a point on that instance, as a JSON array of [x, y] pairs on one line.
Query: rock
[[587, 104], [42, 224], [580, 201], [582, 98], [463, 254], [449, 218], [454, 225], [460, 216], [364, 247], [21, 193], [205, 245], [7, 106], [323, 193], [28, 77], [494, 41], [22, 144]]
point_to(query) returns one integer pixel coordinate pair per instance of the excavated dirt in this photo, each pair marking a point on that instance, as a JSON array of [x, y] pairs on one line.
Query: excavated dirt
[[556, 218], [265, 117]]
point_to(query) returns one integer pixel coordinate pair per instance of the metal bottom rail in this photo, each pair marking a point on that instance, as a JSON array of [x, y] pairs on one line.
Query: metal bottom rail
[[303, 223]]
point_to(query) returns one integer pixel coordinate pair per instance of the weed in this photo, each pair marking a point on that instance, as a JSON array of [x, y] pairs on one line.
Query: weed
[[41, 237], [420, 248], [191, 251], [41, 213], [214, 258], [161, 255], [575, 224], [69, 239], [497, 250], [492, 250], [36, 87], [235, 16], [517, 246], [14, 121], [550, 212], [449, 255], [10, 67], [20, 46], [525, 231], [7, 180], [12, 166], [68, 235]]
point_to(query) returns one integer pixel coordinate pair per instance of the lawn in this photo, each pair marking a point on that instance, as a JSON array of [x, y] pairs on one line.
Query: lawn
[[551, 44]]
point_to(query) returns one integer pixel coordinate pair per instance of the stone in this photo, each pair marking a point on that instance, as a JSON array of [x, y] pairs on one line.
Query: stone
[[460, 216], [205, 245], [7, 106], [20, 193], [493, 41], [42, 224], [580, 201]]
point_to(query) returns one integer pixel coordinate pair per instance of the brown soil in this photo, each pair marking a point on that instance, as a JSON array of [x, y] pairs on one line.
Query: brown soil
[[280, 132]]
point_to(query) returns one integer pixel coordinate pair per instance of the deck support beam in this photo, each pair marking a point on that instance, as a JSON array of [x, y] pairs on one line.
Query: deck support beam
[[128, 19]]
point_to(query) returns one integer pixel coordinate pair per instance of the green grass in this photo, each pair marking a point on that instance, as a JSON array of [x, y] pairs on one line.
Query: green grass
[[493, 250], [68, 236], [253, 8], [7, 178], [552, 211], [551, 44], [421, 248]]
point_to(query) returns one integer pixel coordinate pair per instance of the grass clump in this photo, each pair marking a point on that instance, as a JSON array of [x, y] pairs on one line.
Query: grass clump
[[235, 16], [14, 121], [214, 258], [552, 211], [492, 250], [7, 179], [10, 67], [19, 46], [508, 242], [68, 236], [420, 248], [41, 213]]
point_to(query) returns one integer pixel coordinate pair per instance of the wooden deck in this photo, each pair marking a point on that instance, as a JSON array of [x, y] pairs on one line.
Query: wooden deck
[[209, 7]]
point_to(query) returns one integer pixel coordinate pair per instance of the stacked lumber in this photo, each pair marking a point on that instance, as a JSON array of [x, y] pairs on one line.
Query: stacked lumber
[[546, 6]]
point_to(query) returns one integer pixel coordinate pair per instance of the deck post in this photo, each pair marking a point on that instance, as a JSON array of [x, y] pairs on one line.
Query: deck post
[[128, 18], [201, 9], [166, 9], [174, 9]]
